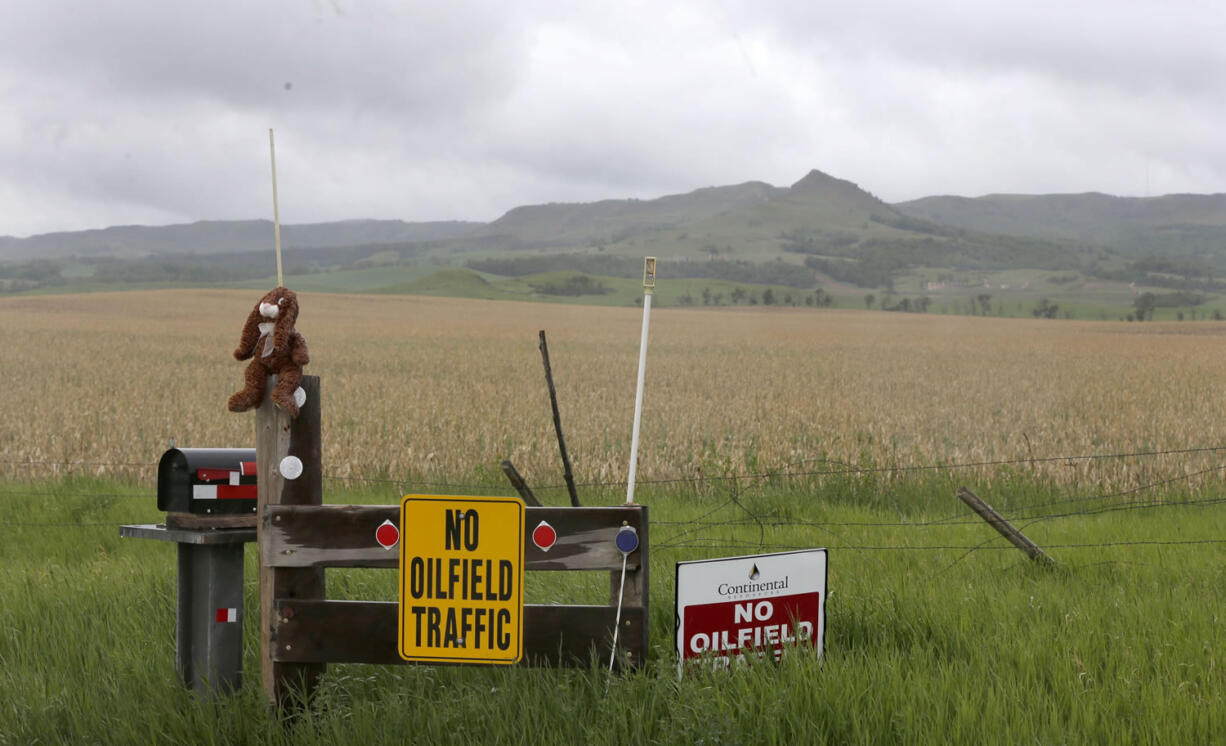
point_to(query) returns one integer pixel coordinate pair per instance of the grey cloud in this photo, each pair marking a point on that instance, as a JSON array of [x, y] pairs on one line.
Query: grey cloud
[[146, 111]]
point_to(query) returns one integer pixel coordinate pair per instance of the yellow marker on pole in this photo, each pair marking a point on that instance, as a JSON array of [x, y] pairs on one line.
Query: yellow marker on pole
[[649, 286], [276, 218]]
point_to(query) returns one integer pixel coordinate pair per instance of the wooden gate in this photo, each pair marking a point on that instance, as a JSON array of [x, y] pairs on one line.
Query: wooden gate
[[299, 537]]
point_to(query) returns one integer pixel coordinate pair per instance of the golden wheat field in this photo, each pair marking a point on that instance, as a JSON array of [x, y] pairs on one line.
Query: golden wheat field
[[438, 389]]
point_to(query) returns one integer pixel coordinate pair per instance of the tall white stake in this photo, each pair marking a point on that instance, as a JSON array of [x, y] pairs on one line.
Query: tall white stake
[[649, 286], [276, 217]]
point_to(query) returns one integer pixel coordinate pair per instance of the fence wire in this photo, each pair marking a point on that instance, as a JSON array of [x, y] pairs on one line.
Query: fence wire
[[689, 533]]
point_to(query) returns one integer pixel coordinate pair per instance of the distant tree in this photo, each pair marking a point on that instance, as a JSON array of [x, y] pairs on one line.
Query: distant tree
[[809, 300], [868, 300], [706, 296], [738, 294], [768, 297], [922, 303], [1046, 310], [1144, 305], [985, 303]]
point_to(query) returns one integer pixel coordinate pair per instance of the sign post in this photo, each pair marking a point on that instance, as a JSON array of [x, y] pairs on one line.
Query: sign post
[[461, 579], [649, 287], [738, 609]]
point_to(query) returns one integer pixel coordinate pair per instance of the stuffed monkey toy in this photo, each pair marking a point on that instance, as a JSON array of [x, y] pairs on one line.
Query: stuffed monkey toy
[[278, 349]]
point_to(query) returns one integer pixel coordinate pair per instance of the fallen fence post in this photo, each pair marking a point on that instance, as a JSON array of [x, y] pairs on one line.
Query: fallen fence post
[[1003, 527], [517, 481], [557, 425]]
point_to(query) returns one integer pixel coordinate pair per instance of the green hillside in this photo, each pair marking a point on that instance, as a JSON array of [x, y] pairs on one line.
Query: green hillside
[[459, 283], [613, 221], [223, 237], [823, 237], [1172, 226]]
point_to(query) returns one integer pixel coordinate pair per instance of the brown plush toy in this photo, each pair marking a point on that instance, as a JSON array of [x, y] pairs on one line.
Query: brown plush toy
[[278, 348]]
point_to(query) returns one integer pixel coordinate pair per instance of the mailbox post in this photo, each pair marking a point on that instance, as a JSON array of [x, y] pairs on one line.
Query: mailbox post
[[209, 611], [209, 498]]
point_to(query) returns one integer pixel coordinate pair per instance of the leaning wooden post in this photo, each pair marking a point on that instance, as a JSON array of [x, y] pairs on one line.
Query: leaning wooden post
[[279, 436], [517, 481], [567, 474], [1003, 527]]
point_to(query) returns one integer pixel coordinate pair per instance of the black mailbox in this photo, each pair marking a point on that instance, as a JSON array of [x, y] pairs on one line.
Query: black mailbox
[[213, 481]]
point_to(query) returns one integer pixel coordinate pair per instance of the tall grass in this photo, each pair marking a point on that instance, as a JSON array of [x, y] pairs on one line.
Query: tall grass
[[1120, 644], [765, 430]]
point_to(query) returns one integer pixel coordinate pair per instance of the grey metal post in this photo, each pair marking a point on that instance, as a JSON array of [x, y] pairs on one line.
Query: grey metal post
[[208, 645], [209, 652]]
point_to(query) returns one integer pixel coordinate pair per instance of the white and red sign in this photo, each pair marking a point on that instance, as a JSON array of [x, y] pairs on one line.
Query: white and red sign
[[225, 484], [737, 609]]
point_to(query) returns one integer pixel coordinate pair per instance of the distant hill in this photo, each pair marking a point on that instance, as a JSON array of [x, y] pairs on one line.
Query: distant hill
[[223, 237], [613, 220], [819, 230], [819, 225], [1176, 226], [745, 220]]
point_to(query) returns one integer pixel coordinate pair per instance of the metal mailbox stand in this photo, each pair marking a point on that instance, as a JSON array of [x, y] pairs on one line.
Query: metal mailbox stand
[[208, 651]]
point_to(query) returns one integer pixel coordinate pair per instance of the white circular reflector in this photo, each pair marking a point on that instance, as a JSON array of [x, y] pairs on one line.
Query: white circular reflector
[[291, 467]]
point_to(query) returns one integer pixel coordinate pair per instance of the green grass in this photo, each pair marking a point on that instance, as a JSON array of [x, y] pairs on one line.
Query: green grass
[[1120, 644], [1076, 296], [346, 280], [466, 283]]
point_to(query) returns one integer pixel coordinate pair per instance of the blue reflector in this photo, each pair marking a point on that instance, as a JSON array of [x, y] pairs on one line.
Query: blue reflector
[[627, 539]]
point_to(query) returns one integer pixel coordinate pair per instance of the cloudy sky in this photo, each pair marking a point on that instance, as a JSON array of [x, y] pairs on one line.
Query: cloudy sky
[[157, 111]]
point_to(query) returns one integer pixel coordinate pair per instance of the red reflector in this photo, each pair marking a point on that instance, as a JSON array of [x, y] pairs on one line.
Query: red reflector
[[544, 536], [387, 534]]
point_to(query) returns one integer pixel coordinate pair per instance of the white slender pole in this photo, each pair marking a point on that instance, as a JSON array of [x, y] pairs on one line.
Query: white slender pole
[[276, 217], [649, 284]]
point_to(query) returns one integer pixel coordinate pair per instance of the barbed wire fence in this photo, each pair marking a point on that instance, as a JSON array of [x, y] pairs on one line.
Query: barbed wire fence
[[736, 512]]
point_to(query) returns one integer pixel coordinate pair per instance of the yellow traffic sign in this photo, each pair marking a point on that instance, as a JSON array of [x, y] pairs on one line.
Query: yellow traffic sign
[[461, 579]]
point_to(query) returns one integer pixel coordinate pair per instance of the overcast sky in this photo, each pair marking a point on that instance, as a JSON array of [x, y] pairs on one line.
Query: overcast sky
[[157, 111]]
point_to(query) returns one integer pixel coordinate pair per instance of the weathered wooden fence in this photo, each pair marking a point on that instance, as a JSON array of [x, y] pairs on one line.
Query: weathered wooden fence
[[299, 537]]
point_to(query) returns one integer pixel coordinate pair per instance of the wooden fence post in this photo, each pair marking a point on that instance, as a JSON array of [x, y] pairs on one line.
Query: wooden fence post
[[517, 481], [567, 474], [278, 436], [635, 593], [1003, 527]]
